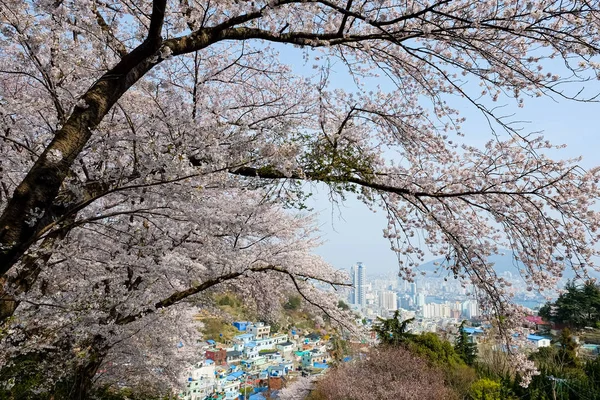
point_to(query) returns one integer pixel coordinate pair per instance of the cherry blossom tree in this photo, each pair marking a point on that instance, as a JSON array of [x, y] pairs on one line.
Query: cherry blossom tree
[[115, 307], [390, 372], [141, 141]]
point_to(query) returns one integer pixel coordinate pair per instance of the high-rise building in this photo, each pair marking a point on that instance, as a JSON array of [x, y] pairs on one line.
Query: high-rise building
[[470, 309], [388, 300], [359, 284], [420, 301], [435, 310], [413, 289]]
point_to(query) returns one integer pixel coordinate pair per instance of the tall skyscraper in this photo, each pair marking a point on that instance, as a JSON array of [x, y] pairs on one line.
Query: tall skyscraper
[[359, 284]]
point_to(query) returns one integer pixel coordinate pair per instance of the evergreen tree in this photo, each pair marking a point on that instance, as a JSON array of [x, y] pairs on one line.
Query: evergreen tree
[[578, 307], [392, 331], [466, 349]]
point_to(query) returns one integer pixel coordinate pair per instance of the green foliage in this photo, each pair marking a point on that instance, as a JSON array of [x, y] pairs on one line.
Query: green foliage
[[22, 380], [339, 348], [214, 327], [568, 348], [486, 389], [275, 327], [293, 303], [437, 351], [563, 376], [464, 347], [342, 305], [392, 331], [460, 378], [441, 354], [578, 307], [229, 300]]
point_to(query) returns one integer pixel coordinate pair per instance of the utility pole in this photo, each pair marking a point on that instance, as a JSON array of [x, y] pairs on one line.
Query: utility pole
[[554, 381]]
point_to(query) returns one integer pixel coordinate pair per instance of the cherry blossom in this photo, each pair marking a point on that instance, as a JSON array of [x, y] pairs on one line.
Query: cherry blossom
[[153, 151]]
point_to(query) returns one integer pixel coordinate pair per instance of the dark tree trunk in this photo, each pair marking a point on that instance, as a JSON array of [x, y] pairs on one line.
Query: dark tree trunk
[[83, 378], [31, 266]]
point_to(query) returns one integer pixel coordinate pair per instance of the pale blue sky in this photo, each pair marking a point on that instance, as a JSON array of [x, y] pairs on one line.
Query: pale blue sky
[[353, 233]]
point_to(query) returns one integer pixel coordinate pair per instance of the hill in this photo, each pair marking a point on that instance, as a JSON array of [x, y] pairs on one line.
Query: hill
[[503, 263]]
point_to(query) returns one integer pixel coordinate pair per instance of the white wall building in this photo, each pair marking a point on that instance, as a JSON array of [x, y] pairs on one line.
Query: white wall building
[[539, 341], [470, 309], [434, 310], [259, 330], [202, 381], [388, 300], [420, 300]]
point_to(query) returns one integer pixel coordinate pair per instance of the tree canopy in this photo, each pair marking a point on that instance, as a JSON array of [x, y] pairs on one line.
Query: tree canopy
[[149, 150], [578, 306], [391, 373]]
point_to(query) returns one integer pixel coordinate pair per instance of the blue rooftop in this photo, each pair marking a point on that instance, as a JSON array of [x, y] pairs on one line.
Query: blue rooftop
[[472, 331], [535, 338], [208, 362], [210, 341], [235, 375], [257, 396], [251, 344]]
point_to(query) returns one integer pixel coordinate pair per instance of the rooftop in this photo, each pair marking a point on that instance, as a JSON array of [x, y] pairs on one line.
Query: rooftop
[[535, 338], [471, 331], [244, 336], [235, 375]]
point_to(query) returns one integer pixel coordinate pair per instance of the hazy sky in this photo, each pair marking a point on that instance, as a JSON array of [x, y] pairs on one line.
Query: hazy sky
[[354, 233]]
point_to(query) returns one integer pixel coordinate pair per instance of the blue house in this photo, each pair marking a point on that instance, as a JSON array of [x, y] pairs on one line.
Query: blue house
[[235, 375], [241, 325], [539, 341], [473, 333]]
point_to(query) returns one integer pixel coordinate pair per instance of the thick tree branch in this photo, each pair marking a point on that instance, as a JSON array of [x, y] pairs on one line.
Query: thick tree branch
[[184, 294], [272, 173]]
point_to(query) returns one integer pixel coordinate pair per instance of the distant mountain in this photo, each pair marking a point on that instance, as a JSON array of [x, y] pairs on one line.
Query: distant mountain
[[503, 262]]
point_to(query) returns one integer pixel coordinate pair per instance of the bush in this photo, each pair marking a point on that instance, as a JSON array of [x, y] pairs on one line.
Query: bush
[[486, 389], [293, 303]]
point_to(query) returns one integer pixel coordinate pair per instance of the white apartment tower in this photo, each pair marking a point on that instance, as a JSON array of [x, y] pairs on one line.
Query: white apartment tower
[[359, 284], [388, 300]]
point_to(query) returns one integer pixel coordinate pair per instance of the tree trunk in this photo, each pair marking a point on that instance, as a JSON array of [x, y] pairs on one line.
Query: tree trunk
[[31, 266], [31, 205], [83, 378]]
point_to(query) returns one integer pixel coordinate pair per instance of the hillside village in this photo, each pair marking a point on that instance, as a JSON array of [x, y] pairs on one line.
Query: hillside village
[[255, 363]]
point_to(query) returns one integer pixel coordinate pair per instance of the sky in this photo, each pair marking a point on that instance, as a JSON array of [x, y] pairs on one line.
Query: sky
[[353, 233]]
